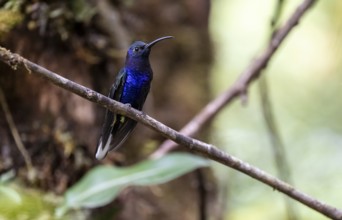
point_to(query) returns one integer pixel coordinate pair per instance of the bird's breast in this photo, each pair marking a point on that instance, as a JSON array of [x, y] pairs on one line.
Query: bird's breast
[[136, 88]]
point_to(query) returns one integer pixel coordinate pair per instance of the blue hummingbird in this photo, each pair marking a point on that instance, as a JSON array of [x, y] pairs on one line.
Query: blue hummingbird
[[131, 87]]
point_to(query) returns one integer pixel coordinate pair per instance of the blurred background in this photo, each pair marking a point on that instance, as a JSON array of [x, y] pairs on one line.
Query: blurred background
[[215, 41], [305, 83]]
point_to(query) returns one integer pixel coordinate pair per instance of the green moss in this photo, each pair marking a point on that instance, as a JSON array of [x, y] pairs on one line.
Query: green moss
[[21, 203], [8, 20], [16, 203]]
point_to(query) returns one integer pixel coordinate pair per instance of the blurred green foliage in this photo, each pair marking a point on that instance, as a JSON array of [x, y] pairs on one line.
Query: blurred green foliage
[[102, 184], [98, 187], [305, 86], [10, 16], [22, 203], [49, 19]]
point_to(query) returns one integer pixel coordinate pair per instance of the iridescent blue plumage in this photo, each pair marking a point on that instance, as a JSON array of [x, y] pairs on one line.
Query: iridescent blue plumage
[[131, 87]]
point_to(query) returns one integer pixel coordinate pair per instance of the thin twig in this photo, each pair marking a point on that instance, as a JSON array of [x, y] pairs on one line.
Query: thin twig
[[277, 145], [15, 133], [277, 13], [205, 149], [240, 87], [202, 194], [208, 150], [278, 148], [109, 21]]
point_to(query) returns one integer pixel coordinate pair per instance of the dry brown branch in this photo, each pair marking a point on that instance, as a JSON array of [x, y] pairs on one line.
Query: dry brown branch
[[240, 87], [208, 150], [16, 136], [17, 62]]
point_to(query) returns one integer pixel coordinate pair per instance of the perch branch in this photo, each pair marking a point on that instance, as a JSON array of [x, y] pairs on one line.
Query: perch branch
[[240, 87], [208, 150]]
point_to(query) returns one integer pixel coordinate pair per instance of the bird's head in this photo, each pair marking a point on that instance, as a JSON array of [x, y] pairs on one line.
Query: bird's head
[[141, 49]]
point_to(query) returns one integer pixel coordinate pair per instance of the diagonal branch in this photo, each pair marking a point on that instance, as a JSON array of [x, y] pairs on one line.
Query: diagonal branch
[[208, 150], [240, 87]]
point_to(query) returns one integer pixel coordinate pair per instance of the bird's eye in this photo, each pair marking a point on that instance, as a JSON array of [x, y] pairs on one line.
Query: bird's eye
[[136, 49]]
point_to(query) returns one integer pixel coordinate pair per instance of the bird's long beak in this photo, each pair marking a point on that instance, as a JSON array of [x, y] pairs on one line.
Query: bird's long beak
[[157, 40]]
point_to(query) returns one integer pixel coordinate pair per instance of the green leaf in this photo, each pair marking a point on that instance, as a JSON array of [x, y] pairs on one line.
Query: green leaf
[[11, 194], [103, 183]]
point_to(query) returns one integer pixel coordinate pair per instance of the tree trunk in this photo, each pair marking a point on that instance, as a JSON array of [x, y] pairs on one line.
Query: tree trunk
[[86, 41]]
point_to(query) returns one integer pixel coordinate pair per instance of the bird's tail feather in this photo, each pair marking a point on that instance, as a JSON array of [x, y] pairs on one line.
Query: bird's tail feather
[[103, 148], [115, 139]]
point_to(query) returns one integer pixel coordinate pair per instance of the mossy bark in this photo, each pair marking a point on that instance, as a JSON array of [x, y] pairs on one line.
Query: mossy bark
[[86, 42]]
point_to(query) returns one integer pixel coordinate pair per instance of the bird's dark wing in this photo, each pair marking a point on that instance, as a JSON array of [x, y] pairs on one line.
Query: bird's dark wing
[[113, 123]]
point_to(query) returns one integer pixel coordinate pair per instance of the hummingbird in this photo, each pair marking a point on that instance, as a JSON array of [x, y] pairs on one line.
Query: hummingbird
[[131, 86]]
